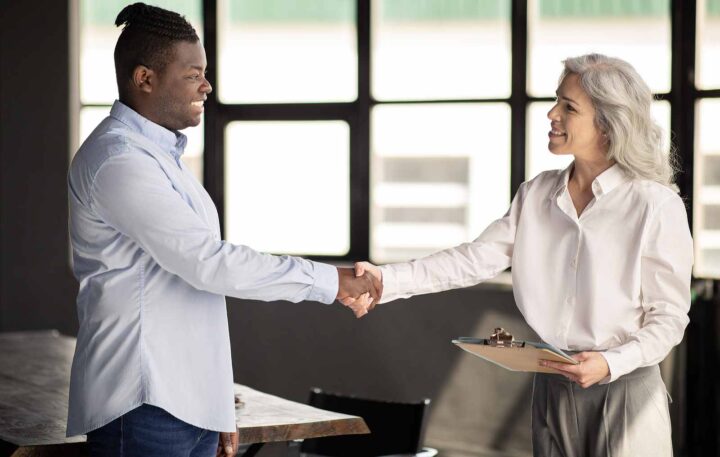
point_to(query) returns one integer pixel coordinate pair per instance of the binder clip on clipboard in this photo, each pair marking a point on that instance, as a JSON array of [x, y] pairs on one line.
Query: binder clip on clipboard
[[501, 349]]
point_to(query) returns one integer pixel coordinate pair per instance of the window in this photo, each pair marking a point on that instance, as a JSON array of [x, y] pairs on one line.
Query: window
[[430, 162], [439, 50], [708, 44], [293, 177], [283, 63], [387, 129], [638, 32], [707, 192], [706, 109], [286, 51], [440, 174]]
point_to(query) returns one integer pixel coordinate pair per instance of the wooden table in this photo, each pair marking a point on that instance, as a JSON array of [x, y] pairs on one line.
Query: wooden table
[[34, 386]]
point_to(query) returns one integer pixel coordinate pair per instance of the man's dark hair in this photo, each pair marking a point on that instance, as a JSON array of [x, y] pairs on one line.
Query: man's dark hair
[[147, 38]]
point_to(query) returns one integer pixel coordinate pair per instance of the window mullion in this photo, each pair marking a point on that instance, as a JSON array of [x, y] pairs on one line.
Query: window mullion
[[360, 142], [518, 98], [213, 164], [682, 96]]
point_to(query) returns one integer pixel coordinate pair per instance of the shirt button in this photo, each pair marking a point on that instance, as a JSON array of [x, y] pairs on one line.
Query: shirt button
[[573, 263]]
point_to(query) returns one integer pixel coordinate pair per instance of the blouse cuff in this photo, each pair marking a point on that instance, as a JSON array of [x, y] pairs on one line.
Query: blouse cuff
[[622, 360], [393, 276]]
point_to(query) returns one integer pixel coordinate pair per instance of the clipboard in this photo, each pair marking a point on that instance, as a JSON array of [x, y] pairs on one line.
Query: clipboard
[[514, 355]]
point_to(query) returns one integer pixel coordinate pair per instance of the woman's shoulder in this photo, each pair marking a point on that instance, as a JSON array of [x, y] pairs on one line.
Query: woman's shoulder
[[654, 191], [654, 194]]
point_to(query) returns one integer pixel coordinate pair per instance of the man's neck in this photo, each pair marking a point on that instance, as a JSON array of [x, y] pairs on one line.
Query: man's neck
[[144, 112]]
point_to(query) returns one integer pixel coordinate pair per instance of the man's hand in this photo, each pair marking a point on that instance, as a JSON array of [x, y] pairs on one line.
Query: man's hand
[[227, 444], [592, 368], [358, 292]]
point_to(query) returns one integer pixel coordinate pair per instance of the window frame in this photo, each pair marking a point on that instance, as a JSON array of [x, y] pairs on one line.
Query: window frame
[[682, 98]]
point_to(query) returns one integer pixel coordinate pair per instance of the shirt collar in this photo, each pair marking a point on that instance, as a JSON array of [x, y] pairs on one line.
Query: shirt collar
[[562, 181], [604, 183], [169, 140], [609, 180]]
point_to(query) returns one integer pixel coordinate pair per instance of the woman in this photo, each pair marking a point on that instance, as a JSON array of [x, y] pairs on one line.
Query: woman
[[601, 258]]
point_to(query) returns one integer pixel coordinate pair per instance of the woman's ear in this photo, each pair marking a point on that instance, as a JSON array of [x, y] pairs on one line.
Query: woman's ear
[[604, 139]]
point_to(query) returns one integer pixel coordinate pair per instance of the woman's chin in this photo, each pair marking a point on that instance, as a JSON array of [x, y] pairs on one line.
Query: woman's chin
[[556, 150]]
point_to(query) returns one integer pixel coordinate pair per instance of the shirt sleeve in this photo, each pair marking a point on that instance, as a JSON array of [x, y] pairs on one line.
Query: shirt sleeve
[[666, 268], [131, 193], [461, 266]]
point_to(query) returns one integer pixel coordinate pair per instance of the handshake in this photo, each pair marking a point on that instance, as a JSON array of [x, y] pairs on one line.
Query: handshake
[[360, 289]]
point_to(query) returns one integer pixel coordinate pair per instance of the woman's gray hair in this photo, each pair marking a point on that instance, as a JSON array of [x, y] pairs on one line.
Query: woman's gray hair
[[622, 103]]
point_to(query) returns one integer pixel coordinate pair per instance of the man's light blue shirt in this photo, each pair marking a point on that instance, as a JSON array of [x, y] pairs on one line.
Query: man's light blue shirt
[[153, 276]]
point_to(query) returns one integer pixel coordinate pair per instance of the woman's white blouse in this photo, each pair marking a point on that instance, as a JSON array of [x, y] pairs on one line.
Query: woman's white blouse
[[616, 279]]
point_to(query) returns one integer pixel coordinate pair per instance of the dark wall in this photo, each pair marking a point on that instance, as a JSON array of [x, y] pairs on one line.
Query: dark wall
[[36, 282]]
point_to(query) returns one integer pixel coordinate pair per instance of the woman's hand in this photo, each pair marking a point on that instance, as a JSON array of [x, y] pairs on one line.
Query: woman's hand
[[362, 267], [592, 368]]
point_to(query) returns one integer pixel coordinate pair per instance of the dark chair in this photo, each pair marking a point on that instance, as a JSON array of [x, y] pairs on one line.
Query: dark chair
[[396, 428]]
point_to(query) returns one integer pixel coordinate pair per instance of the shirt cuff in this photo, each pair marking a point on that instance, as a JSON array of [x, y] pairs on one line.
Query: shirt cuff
[[325, 285], [622, 360], [393, 277]]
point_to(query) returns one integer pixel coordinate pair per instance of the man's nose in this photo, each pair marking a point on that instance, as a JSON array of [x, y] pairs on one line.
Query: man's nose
[[206, 87]]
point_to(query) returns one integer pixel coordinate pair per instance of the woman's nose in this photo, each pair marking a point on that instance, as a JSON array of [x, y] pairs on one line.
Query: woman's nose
[[552, 114]]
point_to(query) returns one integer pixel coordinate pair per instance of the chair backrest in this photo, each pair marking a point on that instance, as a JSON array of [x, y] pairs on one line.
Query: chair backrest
[[396, 428]]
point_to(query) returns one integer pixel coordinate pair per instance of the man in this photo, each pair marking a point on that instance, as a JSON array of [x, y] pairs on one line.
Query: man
[[152, 371]]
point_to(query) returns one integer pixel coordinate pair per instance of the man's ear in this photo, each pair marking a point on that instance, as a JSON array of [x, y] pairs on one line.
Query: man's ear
[[143, 79]]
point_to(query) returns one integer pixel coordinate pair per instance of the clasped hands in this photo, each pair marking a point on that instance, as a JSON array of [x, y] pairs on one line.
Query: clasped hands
[[592, 368], [360, 288]]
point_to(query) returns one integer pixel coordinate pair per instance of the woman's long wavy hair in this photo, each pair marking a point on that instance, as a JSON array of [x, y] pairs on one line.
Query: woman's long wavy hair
[[622, 103]]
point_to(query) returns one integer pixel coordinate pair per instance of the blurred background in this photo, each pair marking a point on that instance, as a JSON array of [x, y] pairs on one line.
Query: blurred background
[[345, 130]]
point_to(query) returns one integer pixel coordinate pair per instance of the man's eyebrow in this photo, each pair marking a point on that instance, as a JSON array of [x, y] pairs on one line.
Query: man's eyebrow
[[197, 67]]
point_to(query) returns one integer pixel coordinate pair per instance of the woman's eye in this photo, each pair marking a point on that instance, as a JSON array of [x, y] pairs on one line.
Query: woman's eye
[[570, 108]]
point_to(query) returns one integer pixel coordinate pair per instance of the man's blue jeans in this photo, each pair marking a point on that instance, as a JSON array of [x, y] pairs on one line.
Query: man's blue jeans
[[149, 431]]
